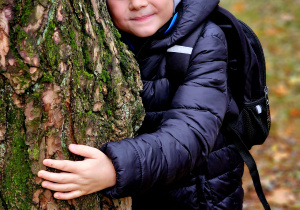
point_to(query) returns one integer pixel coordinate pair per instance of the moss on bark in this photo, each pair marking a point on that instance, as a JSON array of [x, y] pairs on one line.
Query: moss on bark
[[67, 78]]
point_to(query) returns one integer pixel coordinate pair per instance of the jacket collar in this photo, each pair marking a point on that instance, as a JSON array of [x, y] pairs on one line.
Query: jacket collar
[[190, 14]]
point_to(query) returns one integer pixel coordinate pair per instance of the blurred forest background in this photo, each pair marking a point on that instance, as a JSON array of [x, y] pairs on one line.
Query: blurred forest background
[[277, 24]]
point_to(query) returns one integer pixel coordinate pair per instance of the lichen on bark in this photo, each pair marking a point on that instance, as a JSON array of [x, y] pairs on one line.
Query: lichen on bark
[[65, 77]]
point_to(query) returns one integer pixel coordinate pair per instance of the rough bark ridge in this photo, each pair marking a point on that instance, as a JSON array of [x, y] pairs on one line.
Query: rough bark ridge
[[64, 78]]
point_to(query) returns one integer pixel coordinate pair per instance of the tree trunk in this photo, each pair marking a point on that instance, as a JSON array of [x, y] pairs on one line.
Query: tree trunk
[[65, 78]]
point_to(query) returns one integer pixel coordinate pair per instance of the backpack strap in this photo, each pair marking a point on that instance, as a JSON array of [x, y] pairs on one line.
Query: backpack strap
[[237, 40], [235, 138], [177, 70]]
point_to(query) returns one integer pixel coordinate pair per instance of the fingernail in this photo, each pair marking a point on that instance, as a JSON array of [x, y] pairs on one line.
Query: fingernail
[[40, 173], [45, 161], [72, 146], [56, 195]]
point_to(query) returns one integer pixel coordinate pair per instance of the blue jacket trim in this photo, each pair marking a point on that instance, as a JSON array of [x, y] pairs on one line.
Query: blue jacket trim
[[172, 23]]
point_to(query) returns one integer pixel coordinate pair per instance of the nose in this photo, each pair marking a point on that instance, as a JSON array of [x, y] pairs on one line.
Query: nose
[[137, 4]]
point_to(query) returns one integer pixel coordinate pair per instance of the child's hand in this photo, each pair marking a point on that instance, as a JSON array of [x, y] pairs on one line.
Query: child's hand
[[96, 172]]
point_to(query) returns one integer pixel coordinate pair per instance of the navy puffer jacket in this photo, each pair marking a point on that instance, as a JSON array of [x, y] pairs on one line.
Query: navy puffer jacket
[[179, 160]]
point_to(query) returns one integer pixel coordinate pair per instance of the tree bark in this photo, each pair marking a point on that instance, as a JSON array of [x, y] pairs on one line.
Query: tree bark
[[65, 77]]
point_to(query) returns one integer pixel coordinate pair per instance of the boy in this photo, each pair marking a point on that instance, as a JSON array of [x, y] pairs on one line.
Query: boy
[[179, 160]]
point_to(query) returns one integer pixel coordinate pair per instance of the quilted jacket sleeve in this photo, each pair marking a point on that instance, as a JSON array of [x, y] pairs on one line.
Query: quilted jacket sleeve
[[188, 130]]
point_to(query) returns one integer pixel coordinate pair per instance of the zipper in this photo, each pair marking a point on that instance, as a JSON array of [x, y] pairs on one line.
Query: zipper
[[268, 108], [266, 95]]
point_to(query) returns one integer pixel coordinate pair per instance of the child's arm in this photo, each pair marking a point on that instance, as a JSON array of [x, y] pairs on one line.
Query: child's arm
[[187, 131], [94, 173]]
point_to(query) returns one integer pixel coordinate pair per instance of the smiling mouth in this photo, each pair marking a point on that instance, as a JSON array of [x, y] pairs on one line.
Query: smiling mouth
[[142, 18]]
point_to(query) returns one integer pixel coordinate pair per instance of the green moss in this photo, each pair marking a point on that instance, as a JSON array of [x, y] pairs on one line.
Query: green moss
[[48, 77], [125, 65], [116, 33], [23, 10], [139, 112], [64, 145], [52, 49], [30, 42], [100, 86], [25, 78], [35, 153], [109, 112], [22, 83], [2, 102], [44, 117], [86, 56], [13, 36], [73, 43], [21, 36], [16, 186], [106, 58], [105, 76], [101, 33], [35, 124], [2, 117], [50, 25], [83, 127], [36, 95], [77, 7], [88, 75]]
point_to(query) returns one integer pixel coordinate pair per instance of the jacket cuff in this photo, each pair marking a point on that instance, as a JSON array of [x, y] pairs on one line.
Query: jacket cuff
[[126, 161]]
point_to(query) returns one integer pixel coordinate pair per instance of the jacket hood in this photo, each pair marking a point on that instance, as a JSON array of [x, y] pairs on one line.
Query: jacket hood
[[176, 2], [191, 14]]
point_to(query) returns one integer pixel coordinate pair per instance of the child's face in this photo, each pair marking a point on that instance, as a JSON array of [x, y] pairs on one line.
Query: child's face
[[141, 18]]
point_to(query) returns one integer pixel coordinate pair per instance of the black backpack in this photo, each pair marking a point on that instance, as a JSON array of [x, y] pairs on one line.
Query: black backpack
[[247, 84]]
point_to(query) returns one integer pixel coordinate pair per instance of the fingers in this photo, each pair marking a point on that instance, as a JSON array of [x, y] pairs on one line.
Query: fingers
[[60, 187], [68, 195], [72, 166], [85, 151], [57, 177], [64, 165]]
